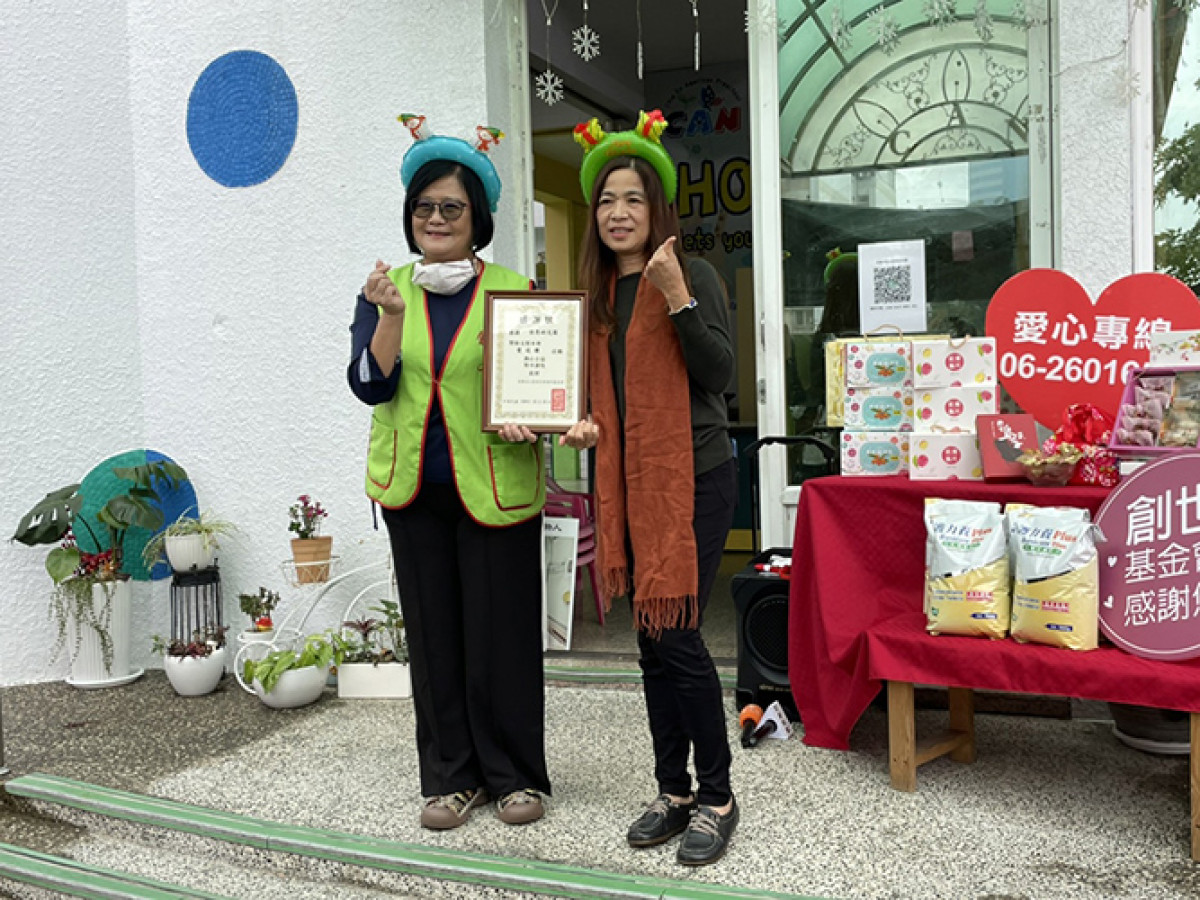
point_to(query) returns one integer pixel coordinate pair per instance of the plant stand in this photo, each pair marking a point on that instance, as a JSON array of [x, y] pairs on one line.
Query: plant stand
[[195, 603]]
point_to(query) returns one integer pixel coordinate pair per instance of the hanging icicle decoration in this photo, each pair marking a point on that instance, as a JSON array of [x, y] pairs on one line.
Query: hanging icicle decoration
[[984, 26], [548, 85], [639, 35], [586, 41], [696, 28]]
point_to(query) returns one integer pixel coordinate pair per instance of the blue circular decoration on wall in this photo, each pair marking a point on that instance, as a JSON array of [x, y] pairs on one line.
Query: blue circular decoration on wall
[[101, 484], [241, 121]]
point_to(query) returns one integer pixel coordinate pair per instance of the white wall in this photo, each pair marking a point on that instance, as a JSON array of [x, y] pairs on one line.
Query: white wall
[[1094, 133], [145, 305]]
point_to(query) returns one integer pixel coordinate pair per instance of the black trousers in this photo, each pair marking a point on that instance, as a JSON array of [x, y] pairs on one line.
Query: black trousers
[[471, 598], [683, 693]]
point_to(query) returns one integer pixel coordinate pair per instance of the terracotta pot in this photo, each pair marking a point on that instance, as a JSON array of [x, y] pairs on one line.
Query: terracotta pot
[[312, 556]]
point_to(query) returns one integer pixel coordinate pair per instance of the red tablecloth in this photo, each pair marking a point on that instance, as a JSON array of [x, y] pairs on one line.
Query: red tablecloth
[[858, 559]]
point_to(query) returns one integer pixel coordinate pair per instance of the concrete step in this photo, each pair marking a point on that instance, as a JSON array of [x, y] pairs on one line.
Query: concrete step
[[145, 829]]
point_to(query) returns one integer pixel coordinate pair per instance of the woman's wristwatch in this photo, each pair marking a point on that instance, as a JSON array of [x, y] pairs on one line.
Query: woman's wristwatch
[[691, 304]]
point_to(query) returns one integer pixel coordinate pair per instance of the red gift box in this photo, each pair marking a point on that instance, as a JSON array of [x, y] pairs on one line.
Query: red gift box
[[1002, 439]]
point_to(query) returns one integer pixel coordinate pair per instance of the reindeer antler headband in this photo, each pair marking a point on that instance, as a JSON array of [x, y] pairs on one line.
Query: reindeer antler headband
[[472, 154], [643, 141]]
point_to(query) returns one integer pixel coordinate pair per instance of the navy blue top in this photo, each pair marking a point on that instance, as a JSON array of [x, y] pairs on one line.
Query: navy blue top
[[446, 313]]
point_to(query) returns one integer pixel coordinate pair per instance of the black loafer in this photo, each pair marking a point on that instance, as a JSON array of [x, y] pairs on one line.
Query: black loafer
[[707, 836], [662, 820]]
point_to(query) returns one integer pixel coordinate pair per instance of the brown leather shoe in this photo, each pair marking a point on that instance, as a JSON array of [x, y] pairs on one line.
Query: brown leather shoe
[[451, 810], [521, 807]]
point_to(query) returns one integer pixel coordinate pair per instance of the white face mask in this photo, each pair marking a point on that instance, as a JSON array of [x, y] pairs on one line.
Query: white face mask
[[444, 277]]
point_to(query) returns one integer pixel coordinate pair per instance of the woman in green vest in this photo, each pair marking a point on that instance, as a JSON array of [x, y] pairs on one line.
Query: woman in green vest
[[462, 507]]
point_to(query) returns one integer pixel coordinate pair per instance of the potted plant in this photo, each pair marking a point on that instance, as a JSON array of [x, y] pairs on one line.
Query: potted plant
[[311, 552], [189, 543], [194, 667], [91, 601], [286, 678], [371, 656], [259, 608]]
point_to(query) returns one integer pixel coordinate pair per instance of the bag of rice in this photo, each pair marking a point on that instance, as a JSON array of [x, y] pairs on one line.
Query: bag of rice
[[1056, 590], [966, 569]]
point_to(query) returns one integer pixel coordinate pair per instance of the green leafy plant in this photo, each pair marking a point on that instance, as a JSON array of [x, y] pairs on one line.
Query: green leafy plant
[[318, 650], [204, 641], [373, 640], [57, 518], [306, 515], [206, 525], [259, 608]]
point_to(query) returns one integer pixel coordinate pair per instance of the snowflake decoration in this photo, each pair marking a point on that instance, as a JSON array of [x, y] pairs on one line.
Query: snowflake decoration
[[839, 30], [586, 43], [984, 26], [887, 30], [761, 20], [549, 88], [1030, 14], [939, 13], [1129, 84]]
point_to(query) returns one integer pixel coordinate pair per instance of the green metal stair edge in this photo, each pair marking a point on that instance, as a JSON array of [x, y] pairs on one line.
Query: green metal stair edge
[[601, 675], [76, 879], [531, 876]]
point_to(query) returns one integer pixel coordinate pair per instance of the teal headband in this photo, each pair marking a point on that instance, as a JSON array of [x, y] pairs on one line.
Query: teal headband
[[429, 147]]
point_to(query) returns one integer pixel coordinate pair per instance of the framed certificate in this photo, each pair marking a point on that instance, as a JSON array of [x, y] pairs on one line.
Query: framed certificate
[[534, 359]]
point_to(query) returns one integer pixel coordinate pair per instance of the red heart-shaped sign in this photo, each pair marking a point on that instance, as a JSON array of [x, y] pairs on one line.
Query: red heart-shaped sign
[[1055, 347]]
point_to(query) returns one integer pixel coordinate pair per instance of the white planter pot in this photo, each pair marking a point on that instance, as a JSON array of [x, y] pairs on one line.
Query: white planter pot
[[192, 676], [368, 681], [186, 552], [256, 637], [296, 687], [111, 603]]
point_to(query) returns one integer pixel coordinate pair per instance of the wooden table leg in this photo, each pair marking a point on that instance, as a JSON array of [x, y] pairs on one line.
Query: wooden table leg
[[1195, 782], [962, 721], [902, 735]]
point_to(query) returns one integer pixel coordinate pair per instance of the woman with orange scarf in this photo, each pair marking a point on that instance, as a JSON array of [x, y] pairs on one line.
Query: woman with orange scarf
[[660, 359]]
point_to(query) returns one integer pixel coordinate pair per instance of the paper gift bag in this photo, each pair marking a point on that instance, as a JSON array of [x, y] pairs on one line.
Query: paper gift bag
[[874, 452], [935, 457], [878, 409], [954, 362], [883, 364], [952, 409]]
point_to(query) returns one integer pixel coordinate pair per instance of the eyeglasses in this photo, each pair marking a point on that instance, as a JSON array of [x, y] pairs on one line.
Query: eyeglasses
[[449, 209]]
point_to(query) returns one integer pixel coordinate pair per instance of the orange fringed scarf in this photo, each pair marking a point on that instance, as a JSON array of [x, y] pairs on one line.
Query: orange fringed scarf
[[648, 491]]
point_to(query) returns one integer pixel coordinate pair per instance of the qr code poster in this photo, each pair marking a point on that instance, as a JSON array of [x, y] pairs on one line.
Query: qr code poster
[[891, 285]]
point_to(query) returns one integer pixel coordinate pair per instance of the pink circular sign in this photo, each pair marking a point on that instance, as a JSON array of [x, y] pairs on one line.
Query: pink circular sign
[[1150, 560]]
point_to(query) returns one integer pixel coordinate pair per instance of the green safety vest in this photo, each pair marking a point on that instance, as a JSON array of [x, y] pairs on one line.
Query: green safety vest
[[500, 483]]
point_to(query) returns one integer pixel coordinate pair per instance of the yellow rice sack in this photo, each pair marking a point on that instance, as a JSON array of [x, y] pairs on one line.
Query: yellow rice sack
[[1056, 591], [1063, 611], [966, 569]]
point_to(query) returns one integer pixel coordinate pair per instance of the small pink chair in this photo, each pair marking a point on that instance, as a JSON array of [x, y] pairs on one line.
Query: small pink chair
[[579, 506]]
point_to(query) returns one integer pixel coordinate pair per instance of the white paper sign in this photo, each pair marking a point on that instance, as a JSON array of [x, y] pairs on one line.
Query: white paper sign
[[891, 285], [560, 543]]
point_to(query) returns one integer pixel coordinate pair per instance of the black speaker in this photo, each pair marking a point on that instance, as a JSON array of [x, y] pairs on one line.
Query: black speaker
[[761, 604]]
